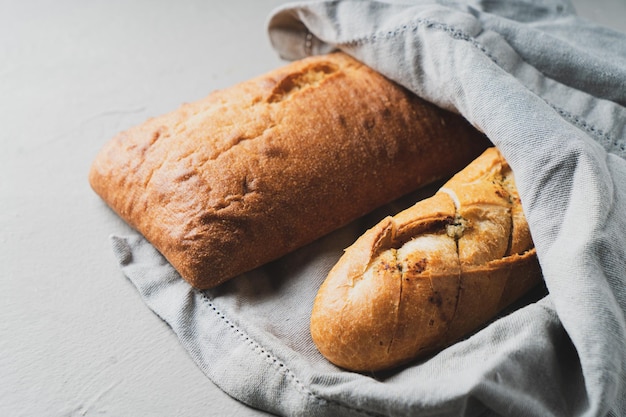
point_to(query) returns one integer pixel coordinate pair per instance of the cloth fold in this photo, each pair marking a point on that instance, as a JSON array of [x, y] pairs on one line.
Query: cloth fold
[[548, 89]]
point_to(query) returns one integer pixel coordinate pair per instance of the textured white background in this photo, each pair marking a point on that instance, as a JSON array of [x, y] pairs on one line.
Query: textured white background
[[75, 338]]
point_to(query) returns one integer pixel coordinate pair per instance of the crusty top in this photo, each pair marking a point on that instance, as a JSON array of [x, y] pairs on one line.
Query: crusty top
[[252, 172], [429, 275]]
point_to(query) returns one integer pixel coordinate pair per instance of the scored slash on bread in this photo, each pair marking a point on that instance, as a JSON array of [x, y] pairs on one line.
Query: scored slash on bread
[[428, 276]]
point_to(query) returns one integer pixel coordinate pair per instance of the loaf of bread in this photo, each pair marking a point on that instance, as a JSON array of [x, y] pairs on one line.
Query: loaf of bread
[[430, 275], [244, 176]]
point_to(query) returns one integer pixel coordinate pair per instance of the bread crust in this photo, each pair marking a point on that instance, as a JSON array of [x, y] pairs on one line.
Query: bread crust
[[244, 176], [430, 275]]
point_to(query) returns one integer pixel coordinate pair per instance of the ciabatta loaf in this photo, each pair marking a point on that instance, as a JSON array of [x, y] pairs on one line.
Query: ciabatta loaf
[[423, 279], [244, 176]]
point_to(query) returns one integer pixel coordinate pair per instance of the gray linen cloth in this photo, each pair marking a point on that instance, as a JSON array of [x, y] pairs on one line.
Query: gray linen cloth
[[549, 89]]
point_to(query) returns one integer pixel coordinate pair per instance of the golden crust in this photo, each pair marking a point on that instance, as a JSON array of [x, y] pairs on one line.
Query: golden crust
[[244, 176], [421, 280]]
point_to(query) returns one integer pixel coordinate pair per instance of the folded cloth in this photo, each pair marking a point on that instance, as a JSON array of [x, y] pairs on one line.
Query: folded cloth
[[548, 88]]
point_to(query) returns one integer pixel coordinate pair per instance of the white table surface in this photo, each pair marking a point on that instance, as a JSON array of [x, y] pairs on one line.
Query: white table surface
[[75, 338]]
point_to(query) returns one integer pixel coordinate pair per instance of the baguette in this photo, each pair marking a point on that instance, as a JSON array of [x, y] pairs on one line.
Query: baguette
[[430, 275], [244, 176]]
